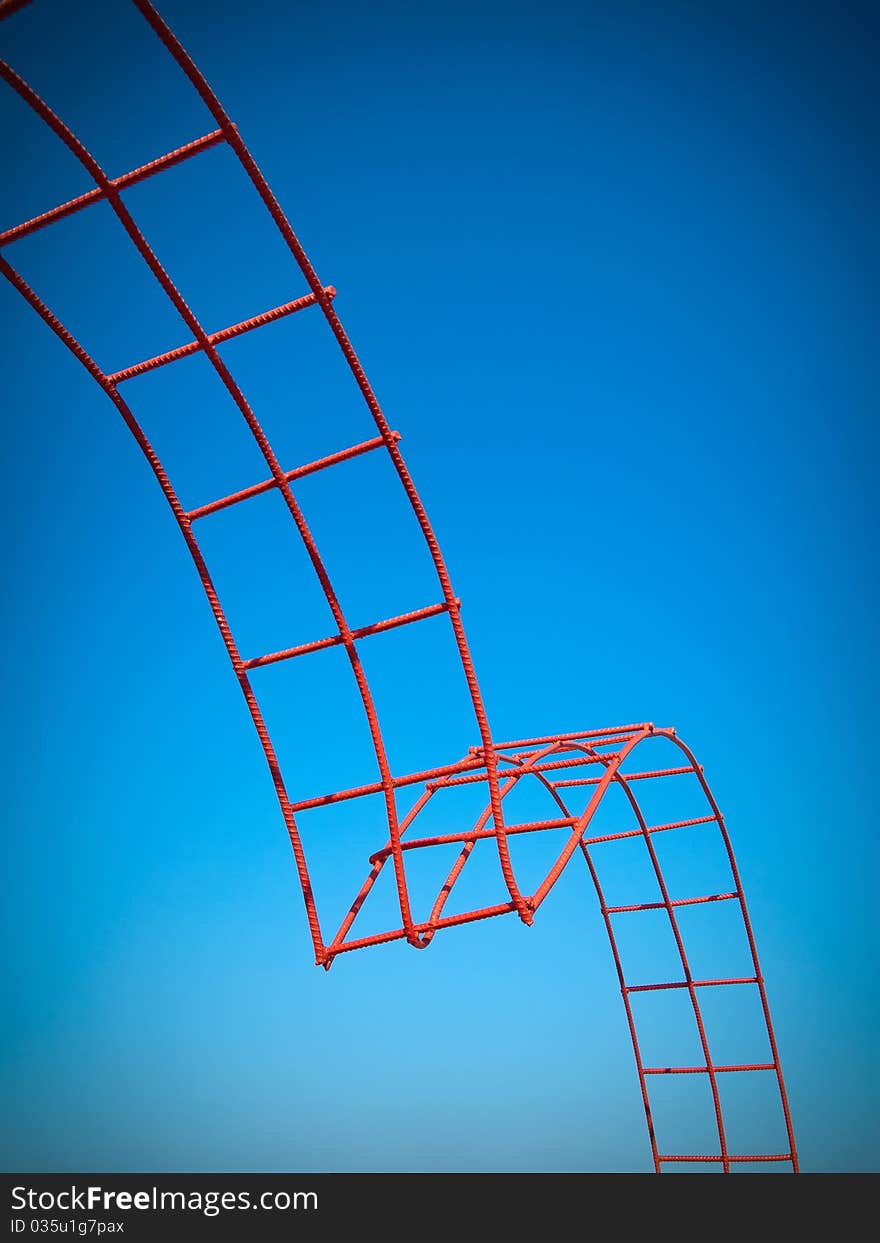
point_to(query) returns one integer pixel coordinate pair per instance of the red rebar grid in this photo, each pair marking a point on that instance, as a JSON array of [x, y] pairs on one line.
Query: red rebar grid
[[501, 766]]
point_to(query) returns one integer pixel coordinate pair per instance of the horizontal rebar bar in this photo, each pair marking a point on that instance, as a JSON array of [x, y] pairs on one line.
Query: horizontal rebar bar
[[217, 338], [335, 640], [575, 736], [661, 906], [656, 828], [649, 988], [469, 766], [120, 183], [447, 921], [660, 772], [475, 835], [300, 472], [704, 1070], [769, 1156]]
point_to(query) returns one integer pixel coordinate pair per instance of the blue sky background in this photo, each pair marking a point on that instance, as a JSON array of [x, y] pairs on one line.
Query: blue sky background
[[612, 270]]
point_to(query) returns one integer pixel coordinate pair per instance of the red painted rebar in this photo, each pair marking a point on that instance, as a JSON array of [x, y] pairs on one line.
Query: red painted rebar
[[656, 828], [217, 338], [587, 734], [261, 185], [704, 1070], [659, 906], [475, 835], [500, 766], [728, 1159], [300, 472], [689, 984], [320, 645], [97, 195]]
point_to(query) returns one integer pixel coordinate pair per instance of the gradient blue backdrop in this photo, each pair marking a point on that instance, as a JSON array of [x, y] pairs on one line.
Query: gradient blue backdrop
[[626, 255]]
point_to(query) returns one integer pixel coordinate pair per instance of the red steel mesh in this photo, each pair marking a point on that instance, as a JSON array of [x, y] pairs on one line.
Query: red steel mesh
[[592, 761]]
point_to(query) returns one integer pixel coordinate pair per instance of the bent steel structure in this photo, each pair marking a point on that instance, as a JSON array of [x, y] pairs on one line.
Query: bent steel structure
[[591, 762]]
